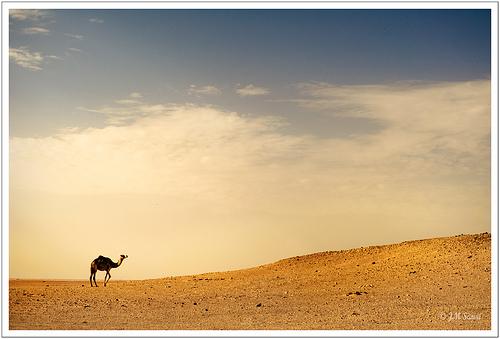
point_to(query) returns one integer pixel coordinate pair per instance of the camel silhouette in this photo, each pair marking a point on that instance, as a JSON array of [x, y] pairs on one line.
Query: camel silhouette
[[104, 264]]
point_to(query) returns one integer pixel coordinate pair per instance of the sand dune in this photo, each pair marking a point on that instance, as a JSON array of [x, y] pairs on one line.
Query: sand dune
[[441, 283]]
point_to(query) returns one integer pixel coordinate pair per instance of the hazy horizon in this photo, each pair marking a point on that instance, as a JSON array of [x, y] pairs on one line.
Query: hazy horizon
[[100, 274], [210, 140]]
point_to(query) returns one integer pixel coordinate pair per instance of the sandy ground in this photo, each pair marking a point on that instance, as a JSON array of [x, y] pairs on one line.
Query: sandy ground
[[441, 283]]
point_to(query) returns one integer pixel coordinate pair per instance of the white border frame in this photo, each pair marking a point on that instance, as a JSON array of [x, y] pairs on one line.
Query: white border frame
[[492, 5]]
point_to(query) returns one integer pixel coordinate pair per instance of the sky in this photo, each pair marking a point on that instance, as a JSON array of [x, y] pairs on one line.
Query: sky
[[210, 140]]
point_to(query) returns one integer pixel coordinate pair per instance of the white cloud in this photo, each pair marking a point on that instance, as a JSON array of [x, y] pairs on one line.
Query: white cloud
[[96, 20], [36, 30], [204, 90], [73, 49], [23, 57], [27, 14], [440, 120], [182, 136], [434, 142], [74, 36], [128, 110], [34, 61], [53, 57], [135, 95], [433, 136], [127, 102], [252, 90]]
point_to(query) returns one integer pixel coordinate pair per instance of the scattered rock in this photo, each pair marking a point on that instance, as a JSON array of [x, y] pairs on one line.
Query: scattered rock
[[259, 305], [357, 293], [413, 272], [195, 304]]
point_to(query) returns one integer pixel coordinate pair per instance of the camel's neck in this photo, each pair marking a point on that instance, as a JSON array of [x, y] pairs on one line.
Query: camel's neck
[[116, 264]]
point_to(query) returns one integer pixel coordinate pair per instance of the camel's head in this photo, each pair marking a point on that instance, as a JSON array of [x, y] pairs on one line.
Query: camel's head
[[123, 256]]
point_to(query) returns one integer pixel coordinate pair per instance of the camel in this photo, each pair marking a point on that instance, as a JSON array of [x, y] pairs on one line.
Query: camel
[[104, 264]]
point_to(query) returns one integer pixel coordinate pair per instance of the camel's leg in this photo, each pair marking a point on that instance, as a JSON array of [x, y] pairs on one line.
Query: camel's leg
[[91, 274], [95, 282], [107, 276]]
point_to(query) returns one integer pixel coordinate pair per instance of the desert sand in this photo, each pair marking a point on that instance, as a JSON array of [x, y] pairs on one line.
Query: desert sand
[[441, 283]]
